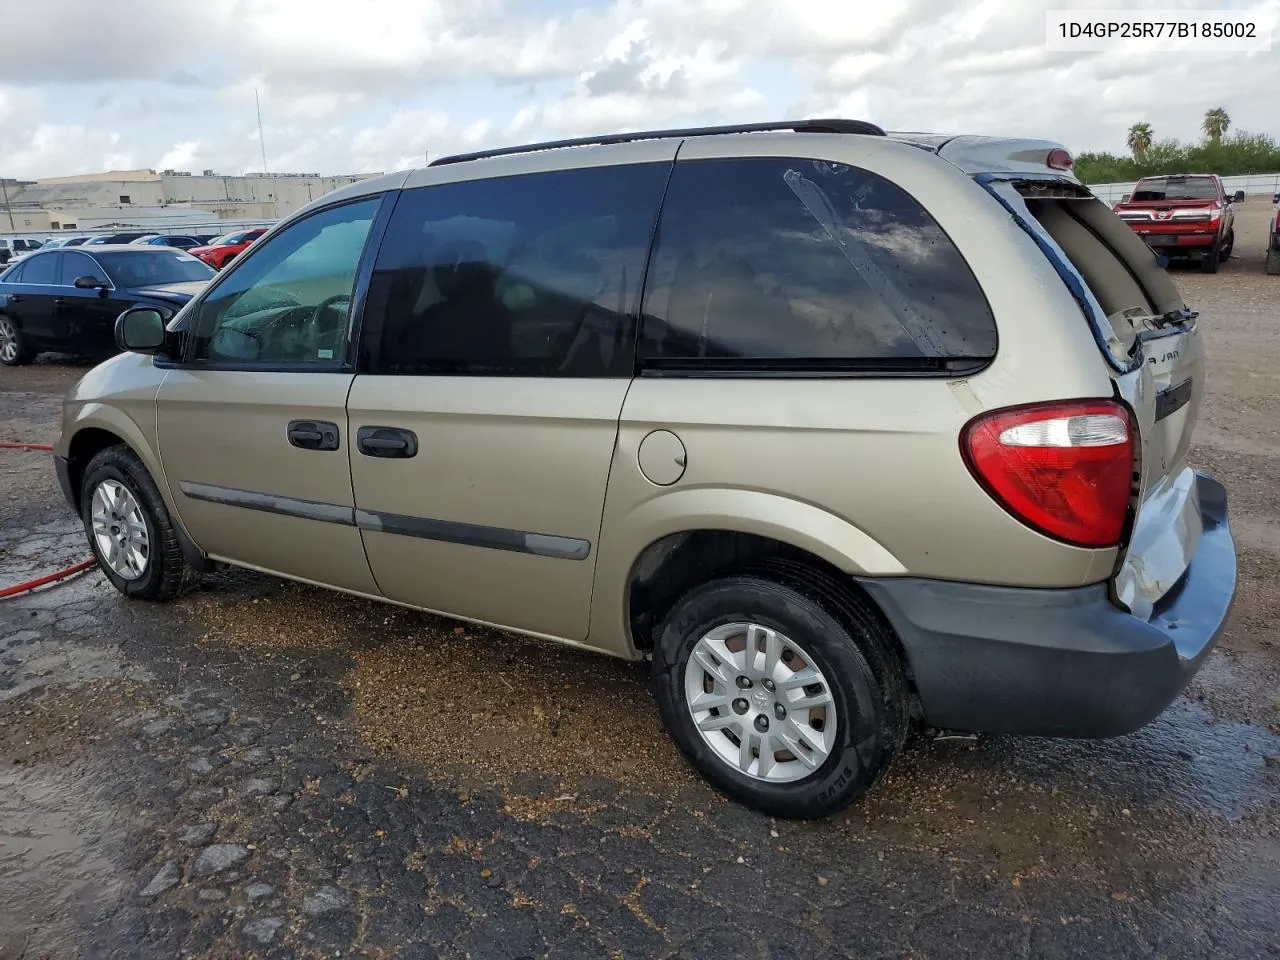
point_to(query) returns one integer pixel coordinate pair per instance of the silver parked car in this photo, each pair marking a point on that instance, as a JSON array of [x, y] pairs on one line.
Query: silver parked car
[[840, 428]]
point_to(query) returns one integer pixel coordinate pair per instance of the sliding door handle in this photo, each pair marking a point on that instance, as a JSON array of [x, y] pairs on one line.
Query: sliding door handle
[[387, 442]]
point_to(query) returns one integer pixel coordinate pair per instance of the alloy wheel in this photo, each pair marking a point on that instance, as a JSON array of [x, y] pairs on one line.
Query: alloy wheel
[[760, 702], [120, 530]]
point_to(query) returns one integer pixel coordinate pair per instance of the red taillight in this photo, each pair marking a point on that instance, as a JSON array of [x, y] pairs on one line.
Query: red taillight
[[1063, 468], [1059, 159]]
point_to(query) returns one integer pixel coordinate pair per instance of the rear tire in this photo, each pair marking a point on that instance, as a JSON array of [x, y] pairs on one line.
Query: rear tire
[[117, 495], [1211, 259], [1273, 261], [1228, 244], [14, 351], [820, 759]]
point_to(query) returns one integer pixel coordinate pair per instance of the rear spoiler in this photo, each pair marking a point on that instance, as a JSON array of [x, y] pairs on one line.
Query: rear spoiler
[[974, 154]]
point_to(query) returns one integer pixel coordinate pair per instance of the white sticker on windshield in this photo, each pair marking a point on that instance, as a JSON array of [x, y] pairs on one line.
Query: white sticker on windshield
[[324, 354]]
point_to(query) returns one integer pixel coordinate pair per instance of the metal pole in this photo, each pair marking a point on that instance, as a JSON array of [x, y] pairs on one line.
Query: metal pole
[[261, 143], [8, 209]]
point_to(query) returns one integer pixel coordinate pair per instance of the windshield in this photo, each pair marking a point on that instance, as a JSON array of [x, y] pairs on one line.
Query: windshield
[[146, 268], [1175, 188]]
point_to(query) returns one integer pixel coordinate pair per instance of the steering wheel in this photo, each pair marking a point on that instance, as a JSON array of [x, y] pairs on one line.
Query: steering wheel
[[313, 323]]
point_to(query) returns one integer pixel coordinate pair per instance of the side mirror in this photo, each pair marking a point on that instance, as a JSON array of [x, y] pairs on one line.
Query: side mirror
[[140, 330], [88, 283], [1239, 196]]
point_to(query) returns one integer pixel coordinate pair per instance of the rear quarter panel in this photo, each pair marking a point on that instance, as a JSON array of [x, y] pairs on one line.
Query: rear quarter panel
[[866, 473]]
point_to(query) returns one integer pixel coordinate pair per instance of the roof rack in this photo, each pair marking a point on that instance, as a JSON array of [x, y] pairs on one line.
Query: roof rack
[[798, 126]]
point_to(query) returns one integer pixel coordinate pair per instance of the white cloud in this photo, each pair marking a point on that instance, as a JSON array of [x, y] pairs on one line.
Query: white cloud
[[166, 84]]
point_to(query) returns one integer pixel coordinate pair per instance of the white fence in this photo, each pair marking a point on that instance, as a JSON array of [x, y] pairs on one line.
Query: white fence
[[1254, 184]]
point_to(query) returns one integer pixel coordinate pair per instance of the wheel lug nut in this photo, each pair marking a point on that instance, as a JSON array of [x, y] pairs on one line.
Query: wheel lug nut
[[768, 684], [744, 683], [762, 723], [780, 711], [739, 706]]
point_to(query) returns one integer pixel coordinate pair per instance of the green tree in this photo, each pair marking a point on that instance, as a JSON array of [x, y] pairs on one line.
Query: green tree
[[1139, 140], [1215, 123]]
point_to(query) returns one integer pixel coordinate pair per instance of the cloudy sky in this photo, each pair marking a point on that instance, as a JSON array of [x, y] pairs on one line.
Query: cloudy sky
[[372, 85]]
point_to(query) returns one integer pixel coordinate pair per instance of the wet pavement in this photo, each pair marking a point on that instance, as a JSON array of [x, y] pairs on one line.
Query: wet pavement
[[267, 770]]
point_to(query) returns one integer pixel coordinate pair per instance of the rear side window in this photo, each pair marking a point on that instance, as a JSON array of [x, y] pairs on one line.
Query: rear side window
[[13, 274], [42, 268], [532, 275], [781, 261]]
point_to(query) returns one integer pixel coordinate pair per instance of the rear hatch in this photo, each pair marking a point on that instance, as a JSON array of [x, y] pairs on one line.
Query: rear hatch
[[1152, 346]]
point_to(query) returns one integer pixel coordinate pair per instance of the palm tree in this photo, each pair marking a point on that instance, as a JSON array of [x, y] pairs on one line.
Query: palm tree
[[1215, 123], [1139, 140]]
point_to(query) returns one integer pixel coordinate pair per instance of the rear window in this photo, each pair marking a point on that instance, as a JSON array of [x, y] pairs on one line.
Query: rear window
[[1174, 188], [791, 262]]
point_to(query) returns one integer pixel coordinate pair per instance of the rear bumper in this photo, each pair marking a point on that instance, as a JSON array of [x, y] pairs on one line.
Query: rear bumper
[[1176, 241], [1061, 663]]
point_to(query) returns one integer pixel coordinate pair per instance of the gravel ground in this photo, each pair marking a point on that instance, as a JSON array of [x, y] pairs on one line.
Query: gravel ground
[[267, 770]]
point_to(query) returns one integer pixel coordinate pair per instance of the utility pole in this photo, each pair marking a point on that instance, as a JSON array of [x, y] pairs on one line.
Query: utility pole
[[261, 143], [8, 209]]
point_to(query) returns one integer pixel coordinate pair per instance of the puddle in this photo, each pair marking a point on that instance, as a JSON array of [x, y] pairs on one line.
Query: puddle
[[54, 870]]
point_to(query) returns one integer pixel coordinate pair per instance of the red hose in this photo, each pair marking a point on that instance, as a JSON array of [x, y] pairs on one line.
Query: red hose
[[48, 578], [62, 574]]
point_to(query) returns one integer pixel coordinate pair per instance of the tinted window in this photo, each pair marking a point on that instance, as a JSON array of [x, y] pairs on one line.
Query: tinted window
[[145, 268], [288, 303], [1175, 188], [13, 274], [534, 275], [41, 268], [78, 265], [774, 259]]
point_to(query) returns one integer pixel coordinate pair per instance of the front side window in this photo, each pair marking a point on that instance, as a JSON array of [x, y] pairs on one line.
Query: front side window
[[76, 265], [532, 275], [41, 269], [773, 261], [289, 302]]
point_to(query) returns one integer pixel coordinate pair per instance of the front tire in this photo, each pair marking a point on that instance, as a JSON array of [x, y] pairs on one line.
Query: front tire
[[14, 351], [1273, 262], [129, 528], [785, 699]]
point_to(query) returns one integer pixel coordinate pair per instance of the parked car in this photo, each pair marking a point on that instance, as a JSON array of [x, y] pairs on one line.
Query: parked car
[[181, 242], [1184, 215], [833, 475], [75, 242], [52, 243], [1273, 239], [68, 300], [219, 252], [13, 248], [120, 238]]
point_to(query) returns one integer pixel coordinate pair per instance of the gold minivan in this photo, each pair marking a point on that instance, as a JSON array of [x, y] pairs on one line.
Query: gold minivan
[[841, 428]]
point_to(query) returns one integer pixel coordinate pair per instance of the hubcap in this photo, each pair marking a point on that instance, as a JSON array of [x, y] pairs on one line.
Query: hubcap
[[759, 702], [119, 530], [8, 341]]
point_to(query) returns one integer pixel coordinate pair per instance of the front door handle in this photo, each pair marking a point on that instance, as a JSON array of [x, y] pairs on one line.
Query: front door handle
[[16, 298], [59, 301], [386, 442], [313, 434]]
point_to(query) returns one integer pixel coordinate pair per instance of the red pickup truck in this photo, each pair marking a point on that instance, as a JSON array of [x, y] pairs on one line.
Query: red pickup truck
[[1183, 215]]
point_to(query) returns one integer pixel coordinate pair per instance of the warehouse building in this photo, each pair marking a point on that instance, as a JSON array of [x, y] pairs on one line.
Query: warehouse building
[[151, 200]]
